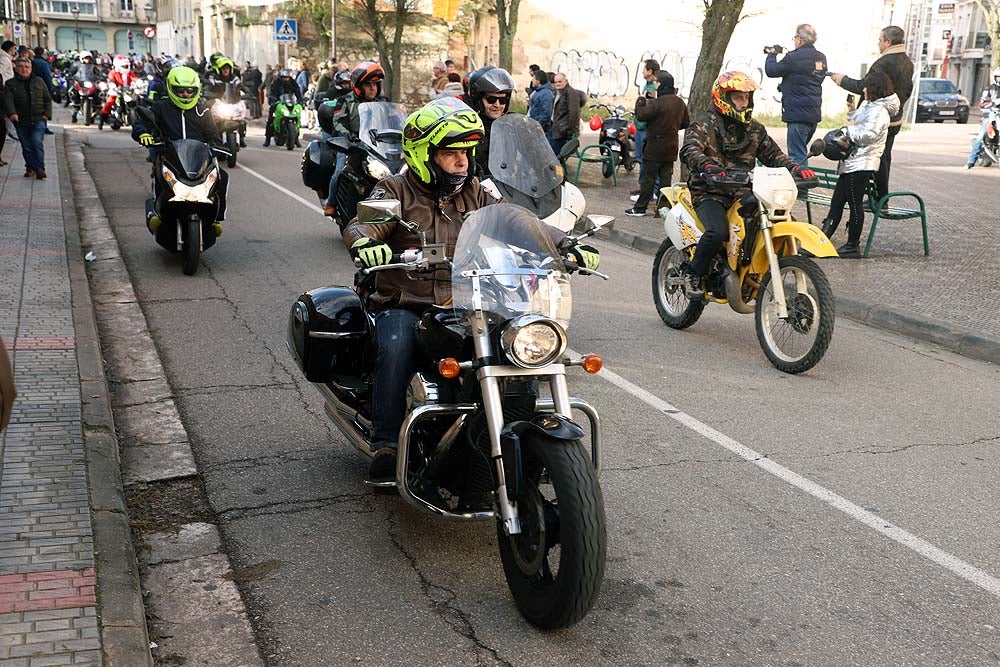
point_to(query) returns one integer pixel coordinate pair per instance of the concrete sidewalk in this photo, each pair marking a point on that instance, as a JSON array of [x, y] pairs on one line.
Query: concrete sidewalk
[[948, 298], [69, 588]]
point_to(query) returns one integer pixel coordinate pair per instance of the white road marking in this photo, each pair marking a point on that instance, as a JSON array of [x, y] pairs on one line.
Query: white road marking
[[972, 574], [953, 564], [283, 189]]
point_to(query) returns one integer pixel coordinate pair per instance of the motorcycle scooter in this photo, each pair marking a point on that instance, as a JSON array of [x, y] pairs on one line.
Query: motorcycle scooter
[[794, 314], [231, 114], [989, 152], [479, 440], [188, 181]]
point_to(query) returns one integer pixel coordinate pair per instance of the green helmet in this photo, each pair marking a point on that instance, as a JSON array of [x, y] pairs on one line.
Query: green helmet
[[444, 123], [183, 87], [221, 62]]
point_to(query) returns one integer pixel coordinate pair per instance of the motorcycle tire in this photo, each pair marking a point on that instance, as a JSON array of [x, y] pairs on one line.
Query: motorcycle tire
[[560, 511], [100, 120], [191, 249], [88, 118], [232, 145], [290, 136], [115, 124], [779, 338], [608, 169], [672, 304], [984, 160]]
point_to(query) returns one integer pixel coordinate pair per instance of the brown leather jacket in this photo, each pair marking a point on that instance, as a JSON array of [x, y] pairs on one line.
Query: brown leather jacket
[[664, 116], [440, 221]]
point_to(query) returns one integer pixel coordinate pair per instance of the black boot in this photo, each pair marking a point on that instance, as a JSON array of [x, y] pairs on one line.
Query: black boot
[[850, 250], [829, 226], [383, 465]]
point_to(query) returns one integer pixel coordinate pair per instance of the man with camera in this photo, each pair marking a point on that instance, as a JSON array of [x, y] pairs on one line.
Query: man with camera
[[802, 71]]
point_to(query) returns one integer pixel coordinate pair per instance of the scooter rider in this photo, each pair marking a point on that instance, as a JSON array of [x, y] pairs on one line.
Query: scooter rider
[[179, 116], [366, 86], [283, 85], [490, 90], [220, 74], [725, 139], [990, 96], [436, 192]]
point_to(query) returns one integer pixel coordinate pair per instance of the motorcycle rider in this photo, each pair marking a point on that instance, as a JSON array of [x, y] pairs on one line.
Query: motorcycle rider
[[436, 192], [724, 139], [366, 86], [220, 74], [990, 95], [490, 91], [158, 86], [121, 76], [283, 85], [83, 70], [180, 116]]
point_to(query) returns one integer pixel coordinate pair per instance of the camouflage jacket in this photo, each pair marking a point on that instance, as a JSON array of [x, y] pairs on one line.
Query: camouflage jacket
[[720, 140]]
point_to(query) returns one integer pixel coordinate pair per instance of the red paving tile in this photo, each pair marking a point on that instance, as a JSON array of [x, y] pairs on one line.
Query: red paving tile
[[60, 589]]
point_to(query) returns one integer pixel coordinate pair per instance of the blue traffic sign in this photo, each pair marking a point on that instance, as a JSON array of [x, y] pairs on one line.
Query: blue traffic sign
[[286, 30]]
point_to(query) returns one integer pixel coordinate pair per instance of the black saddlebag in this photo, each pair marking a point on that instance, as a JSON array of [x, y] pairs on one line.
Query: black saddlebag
[[328, 334]]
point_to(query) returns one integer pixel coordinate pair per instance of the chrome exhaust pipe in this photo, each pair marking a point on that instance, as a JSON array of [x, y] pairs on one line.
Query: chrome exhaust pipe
[[343, 417]]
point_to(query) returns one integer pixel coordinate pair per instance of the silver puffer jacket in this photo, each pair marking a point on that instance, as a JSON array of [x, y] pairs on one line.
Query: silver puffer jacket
[[869, 132]]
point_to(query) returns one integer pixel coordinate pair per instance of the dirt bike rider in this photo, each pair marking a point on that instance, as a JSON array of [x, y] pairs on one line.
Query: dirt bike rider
[[284, 84], [489, 93], [121, 76], [436, 192], [366, 86], [179, 116], [724, 140], [990, 96]]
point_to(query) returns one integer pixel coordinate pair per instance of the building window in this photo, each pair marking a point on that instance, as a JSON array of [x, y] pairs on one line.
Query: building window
[[126, 6]]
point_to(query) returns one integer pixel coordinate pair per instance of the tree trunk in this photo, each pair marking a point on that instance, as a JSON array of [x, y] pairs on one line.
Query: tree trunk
[[721, 17], [991, 10], [507, 27]]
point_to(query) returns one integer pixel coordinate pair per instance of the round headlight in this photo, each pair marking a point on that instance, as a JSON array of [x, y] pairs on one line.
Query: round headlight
[[532, 341], [377, 169]]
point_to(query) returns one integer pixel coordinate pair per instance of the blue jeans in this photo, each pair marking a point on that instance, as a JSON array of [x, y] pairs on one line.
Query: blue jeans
[[798, 137], [396, 360], [331, 197], [977, 144], [32, 138], [640, 140]]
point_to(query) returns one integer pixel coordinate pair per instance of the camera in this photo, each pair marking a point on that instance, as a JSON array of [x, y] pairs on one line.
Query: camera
[[772, 50]]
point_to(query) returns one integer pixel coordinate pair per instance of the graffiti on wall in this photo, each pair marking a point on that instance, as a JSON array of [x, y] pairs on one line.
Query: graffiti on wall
[[600, 73]]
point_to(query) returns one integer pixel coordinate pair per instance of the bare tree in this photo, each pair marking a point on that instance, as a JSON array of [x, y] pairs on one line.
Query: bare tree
[[991, 10], [507, 22], [385, 28], [721, 17]]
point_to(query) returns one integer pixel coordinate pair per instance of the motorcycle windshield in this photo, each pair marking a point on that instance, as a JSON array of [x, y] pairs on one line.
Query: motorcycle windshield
[[506, 263], [193, 157], [521, 157], [381, 128]]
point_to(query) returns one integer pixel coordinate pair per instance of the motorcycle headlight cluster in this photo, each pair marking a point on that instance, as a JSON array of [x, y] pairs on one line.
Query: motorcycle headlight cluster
[[533, 341], [376, 168], [784, 199], [191, 193], [102, 85]]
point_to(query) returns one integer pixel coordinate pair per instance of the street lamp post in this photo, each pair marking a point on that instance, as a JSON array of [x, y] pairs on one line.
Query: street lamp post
[[150, 10], [74, 9]]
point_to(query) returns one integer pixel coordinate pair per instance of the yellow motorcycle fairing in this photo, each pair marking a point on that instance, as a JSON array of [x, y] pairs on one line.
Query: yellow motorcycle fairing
[[807, 237]]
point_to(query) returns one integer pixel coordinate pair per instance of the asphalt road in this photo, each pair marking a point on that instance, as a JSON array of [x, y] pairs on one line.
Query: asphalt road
[[844, 516]]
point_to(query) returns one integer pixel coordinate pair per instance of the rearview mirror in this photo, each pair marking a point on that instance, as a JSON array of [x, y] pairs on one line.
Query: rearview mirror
[[375, 211], [599, 221]]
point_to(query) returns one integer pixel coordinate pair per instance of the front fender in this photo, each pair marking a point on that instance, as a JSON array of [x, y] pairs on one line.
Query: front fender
[[550, 424], [809, 238]]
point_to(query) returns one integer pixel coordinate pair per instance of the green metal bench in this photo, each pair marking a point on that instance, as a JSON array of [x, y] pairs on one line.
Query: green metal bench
[[603, 156], [882, 207]]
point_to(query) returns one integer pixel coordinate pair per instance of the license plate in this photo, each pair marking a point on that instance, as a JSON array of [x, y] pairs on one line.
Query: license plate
[[615, 147], [946, 113]]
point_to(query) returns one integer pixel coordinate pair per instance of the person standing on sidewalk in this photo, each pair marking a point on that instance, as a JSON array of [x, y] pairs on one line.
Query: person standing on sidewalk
[[29, 107], [540, 107], [565, 112], [899, 68], [665, 114], [6, 74], [650, 69], [802, 71]]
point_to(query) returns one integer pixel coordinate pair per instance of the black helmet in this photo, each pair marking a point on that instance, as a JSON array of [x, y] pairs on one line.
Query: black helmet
[[837, 145], [487, 80], [342, 80], [364, 72], [325, 114]]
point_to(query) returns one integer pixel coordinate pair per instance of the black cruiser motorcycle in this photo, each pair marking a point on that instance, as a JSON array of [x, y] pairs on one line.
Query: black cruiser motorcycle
[[482, 437]]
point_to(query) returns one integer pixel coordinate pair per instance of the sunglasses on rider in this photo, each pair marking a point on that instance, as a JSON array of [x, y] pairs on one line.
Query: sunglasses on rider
[[495, 99], [186, 91]]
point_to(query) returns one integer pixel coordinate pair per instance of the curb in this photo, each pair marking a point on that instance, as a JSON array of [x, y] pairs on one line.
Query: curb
[[124, 638], [954, 337]]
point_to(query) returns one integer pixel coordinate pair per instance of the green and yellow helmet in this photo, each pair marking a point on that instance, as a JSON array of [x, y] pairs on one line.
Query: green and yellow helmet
[[183, 87], [221, 62], [444, 123]]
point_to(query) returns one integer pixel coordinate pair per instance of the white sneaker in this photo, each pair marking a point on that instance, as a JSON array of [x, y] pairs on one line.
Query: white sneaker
[[634, 198]]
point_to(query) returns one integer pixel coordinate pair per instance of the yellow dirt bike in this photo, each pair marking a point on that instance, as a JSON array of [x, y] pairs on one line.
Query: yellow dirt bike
[[794, 315]]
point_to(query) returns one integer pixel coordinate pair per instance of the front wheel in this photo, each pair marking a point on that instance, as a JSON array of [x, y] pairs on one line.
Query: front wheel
[[88, 118], [232, 145], [796, 343], [191, 251], [555, 565], [291, 135], [608, 167], [675, 309]]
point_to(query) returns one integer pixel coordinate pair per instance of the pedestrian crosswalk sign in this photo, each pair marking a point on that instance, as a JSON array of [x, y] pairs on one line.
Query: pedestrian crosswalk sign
[[286, 30]]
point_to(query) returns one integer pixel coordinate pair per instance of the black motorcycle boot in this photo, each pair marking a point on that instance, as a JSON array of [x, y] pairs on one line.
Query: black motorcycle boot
[[152, 219], [693, 286], [851, 249], [829, 227], [383, 465]]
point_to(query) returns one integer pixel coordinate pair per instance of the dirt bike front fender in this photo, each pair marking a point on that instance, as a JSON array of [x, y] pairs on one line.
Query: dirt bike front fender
[[808, 238]]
